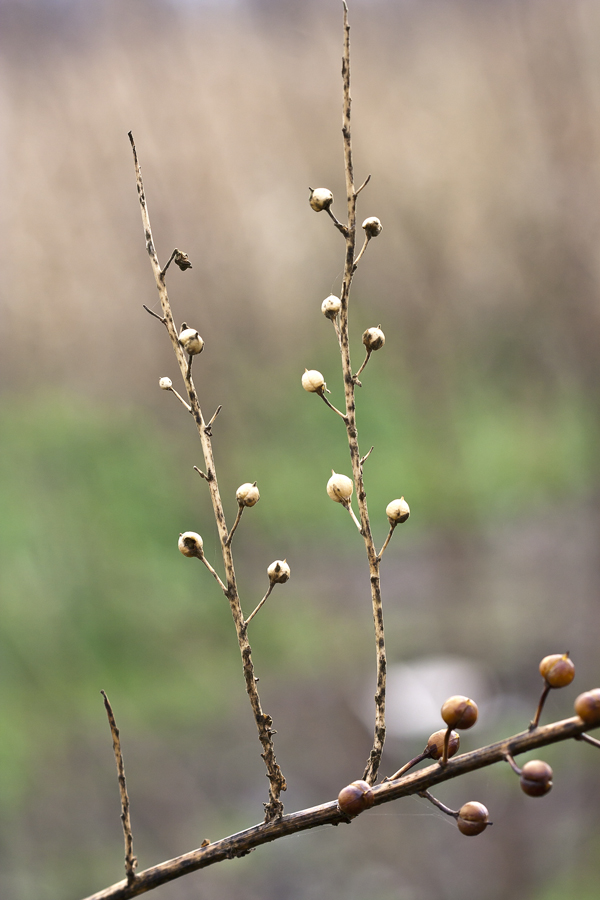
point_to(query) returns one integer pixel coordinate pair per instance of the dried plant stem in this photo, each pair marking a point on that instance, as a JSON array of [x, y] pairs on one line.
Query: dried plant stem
[[214, 574], [130, 860], [589, 740], [262, 602], [330, 405], [445, 809], [534, 723], [277, 784], [241, 509], [407, 766], [329, 813], [387, 540]]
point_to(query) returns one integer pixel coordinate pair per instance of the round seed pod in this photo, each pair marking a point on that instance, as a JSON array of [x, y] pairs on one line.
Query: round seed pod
[[557, 670], [372, 226], [190, 340], [459, 712], [313, 381], [473, 818], [165, 383], [278, 571], [320, 198], [587, 706], [355, 798], [397, 511], [435, 744], [190, 544], [373, 338], [536, 778], [340, 487], [247, 494], [331, 306]]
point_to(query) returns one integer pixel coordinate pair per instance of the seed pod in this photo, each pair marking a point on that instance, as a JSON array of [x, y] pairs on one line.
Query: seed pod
[[557, 670], [459, 712], [340, 487], [278, 572], [355, 798], [190, 544], [435, 744], [587, 706], [190, 340], [331, 306], [165, 383], [373, 338], [320, 198], [536, 778], [372, 226], [247, 494], [313, 381], [397, 511], [473, 818]]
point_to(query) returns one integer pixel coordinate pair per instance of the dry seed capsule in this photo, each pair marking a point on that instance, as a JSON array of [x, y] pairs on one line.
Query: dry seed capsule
[[320, 198], [587, 706], [459, 712], [247, 494], [190, 544], [279, 571], [190, 340], [435, 744], [557, 670], [340, 487], [473, 818], [165, 383], [372, 226], [397, 511], [536, 778], [313, 381], [373, 338], [355, 798], [331, 306]]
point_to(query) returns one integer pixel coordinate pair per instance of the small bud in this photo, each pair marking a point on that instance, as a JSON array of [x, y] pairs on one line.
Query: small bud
[[587, 706], [372, 226], [373, 338], [247, 494], [355, 798], [473, 818], [166, 384], [320, 198], [397, 511], [279, 571], [340, 487], [557, 670], [459, 712], [536, 778], [313, 381], [331, 306], [190, 544], [190, 340], [435, 744]]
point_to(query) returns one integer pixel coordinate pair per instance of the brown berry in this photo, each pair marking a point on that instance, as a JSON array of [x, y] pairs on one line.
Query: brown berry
[[355, 798], [536, 778], [557, 670], [587, 706], [459, 712], [473, 818], [435, 744]]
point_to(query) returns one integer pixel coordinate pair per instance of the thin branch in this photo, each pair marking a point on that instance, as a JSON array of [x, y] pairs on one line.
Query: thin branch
[[445, 809], [330, 405], [130, 860], [589, 740], [534, 722], [348, 506], [367, 358], [407, 766], [363, 185], [171, 258], [241, 509], [201, 473], [209, 424], [359, 257], [415, 783], [156, 316], [337, 223], [215, 574], [264, 599], [364, 458], [180, 398]]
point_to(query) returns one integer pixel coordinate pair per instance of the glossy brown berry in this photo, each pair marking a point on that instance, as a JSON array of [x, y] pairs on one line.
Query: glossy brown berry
[[557, 670], [435, 744], [536, 778], [473, 818], [587, 706], [355, 798], [459, 712]]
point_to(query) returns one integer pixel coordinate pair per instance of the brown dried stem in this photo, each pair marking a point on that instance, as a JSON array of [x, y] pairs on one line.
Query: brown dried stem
[[130, 860], [262, 602], [277, 784]]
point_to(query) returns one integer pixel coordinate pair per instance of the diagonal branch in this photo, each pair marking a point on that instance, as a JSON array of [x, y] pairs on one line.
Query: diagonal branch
[[130, 860]]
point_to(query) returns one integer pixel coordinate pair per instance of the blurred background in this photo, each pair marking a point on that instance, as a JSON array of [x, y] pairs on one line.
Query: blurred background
[[480, 124]]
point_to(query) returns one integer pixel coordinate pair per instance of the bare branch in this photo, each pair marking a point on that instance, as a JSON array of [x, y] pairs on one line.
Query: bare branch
[[130, 860], [264, 599]]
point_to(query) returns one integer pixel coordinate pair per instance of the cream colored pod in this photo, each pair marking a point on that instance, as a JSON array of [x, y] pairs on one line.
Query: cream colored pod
[[397, 511], [247, 494], [373, 338], [278, 572], [320, 199], [190, 544], [331, 306], [190, 340], [340, 487], [313, 381], [165, 383], [372, 226]]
